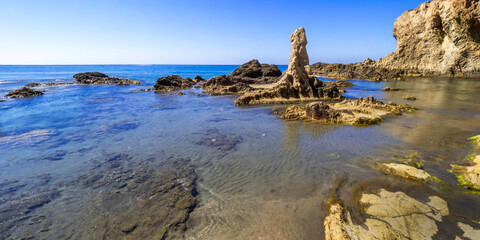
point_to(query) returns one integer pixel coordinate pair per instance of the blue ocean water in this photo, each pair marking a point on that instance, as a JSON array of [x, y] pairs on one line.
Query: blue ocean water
[[63, 133]]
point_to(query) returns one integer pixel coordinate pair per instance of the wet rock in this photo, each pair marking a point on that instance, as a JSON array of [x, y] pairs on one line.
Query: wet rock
[[180, 93], [142, 90], [469, 232], [172, 83], [254, 72], [469, 176], [224, 85], [343, 84], [320, 111], [390, 89], [24, 92], [296, 82], [199, 79], [363, 111], [220, 141], [388, 215], [410, 98], [35, 84], [100, 78], [404, 171]]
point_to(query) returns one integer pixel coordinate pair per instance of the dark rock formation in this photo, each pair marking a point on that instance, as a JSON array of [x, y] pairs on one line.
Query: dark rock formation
[[100, 78], [320, 111], [199, 79], [172, 83], [343, 84], [254, 72], [295, 83], [24, 92]]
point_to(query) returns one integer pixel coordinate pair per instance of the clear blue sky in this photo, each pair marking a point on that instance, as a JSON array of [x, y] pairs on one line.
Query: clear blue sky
[[194, 31]]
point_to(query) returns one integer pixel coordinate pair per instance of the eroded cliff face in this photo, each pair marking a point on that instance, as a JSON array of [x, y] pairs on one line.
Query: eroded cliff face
[[440, 37]]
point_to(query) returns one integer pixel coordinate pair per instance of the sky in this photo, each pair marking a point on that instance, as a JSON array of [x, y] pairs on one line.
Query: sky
[[193, 31]]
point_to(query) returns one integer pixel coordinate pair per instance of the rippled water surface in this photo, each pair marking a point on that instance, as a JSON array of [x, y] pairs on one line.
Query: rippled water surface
[[259, 176]]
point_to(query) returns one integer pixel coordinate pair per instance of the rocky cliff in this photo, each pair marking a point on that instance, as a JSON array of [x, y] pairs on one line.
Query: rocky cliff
[[440, 37]]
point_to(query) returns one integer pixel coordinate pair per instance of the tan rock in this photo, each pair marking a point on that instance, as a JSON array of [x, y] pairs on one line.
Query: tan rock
[[405, 171], [440, 37], [388, 216]]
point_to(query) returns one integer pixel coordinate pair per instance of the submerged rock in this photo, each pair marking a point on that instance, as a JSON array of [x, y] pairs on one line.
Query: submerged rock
[[142, 202], [172, 83], [390, 89], [24, 92], [220, 141], [388, 215], [35, 84], [363, 111], [410, 98], [100, 78], [296, 82]]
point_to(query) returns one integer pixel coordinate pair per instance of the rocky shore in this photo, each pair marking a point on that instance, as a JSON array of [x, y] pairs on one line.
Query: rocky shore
[[438, 38]]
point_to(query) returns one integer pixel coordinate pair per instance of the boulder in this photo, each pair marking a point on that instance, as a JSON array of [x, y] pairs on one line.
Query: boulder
[[405, 171], [390, 89], [100, 78], [343, 84], [296, 83], [320, 111], [172, 83], [254, 72], [24, 92], [199, 79]]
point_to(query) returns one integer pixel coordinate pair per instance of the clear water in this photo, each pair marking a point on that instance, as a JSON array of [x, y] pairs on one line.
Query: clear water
[[272, 185]]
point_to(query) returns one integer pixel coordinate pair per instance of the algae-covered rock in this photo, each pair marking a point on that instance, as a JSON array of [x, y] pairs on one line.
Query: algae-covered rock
[[469, 175]]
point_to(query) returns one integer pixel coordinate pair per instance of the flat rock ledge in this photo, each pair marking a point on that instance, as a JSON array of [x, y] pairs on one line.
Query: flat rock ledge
[[363, 111], [96, 78], [405, 171], [172, 83], [388, 215], [24, 92]]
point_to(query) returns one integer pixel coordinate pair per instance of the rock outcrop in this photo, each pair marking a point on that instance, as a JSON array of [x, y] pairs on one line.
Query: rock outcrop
[[440, 37], [172, 83], [296, 82], [363, 111], [388, 215], [100, 78], [223, 85], [238, 81], [24, 92], [36, 84], [254, 72]]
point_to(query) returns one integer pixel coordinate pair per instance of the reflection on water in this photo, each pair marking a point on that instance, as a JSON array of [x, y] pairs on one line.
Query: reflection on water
[[257, 176]]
